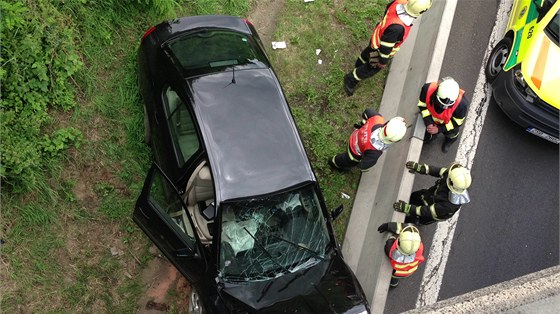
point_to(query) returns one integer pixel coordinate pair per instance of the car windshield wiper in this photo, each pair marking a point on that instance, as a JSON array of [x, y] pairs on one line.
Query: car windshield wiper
[[265, 251], [300, 246]]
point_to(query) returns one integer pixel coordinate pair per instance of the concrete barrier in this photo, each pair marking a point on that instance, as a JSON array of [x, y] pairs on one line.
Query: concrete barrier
[[418, 61]]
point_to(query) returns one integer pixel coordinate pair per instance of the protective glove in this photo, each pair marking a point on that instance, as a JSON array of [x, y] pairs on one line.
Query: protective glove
[[383, 227], [402, 206], [413, 166]]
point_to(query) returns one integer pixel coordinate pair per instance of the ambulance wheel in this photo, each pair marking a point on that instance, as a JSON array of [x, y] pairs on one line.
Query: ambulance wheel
[[497, 59]]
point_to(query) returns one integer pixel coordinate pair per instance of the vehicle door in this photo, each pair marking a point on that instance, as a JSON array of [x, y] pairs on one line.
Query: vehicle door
[[161, 213]]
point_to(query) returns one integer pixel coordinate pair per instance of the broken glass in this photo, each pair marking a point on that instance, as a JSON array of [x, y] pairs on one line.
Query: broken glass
[[263, 238]]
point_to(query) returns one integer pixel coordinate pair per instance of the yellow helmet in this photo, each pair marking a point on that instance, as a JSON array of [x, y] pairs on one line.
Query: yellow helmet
[[459, 178], [447, 92], [409, 240], [416, 7], [393, 131]]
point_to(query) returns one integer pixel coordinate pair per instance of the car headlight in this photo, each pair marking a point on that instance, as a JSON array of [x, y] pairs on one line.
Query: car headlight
[[522, 86]]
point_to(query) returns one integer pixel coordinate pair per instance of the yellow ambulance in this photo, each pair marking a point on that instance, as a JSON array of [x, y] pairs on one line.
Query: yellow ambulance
[[524, 67]]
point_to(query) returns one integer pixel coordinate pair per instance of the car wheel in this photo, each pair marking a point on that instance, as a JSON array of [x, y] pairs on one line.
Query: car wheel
[[147, 132], [497, 59], [195, 305]]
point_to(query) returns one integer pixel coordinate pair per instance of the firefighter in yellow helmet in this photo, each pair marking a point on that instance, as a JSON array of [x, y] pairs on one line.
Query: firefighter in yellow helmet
[[441, 201], [386, 40], [371, 137], [404, 249], [443, 107]]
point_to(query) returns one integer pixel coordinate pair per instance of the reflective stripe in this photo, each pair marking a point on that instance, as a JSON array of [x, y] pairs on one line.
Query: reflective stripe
[[442, 171], [459, 121], [355, 75], [418, 209], [433, 211], [454, 136], [421, 104], [425, 113], [405, 273], [387, 44], [405, 266], [399, 228], [427, 168], [351, 156], [438, 121], [384, 55], [360, 57], [449, 126]]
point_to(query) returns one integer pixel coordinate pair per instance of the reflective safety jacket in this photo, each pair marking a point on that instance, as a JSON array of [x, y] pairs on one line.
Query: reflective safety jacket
[[391, 17], [362, 140], [445, 116], [400, 263]]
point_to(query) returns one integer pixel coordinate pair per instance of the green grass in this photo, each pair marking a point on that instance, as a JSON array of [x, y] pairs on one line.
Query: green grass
[[323, 113], [59, 235]]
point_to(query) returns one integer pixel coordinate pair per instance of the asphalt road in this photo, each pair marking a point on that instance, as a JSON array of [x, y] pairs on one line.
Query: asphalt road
[[511, 226]]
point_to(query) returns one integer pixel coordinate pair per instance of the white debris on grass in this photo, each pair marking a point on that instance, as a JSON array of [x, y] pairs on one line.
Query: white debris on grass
[[317, 51], [278, 44], [344, 195]]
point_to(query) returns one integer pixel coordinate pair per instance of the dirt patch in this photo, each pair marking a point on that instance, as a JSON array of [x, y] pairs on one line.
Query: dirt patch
[[164, 284], [264, 16]]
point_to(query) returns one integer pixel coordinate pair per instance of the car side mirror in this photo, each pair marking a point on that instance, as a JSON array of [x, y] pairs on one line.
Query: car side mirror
[[336, 212]]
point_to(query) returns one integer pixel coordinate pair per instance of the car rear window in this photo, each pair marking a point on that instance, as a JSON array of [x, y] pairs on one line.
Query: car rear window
[[216, 50]]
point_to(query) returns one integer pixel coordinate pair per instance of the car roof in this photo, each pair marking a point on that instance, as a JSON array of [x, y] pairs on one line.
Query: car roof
[[252, 142]]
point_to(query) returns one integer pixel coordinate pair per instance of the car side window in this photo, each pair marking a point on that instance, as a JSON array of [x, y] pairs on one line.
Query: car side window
[[182, 127], [164, 198]]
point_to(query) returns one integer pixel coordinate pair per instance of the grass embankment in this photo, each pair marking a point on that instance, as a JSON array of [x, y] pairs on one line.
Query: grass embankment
[[70, 244]]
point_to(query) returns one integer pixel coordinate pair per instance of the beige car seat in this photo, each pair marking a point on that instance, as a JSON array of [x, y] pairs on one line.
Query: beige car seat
[[201, 193]]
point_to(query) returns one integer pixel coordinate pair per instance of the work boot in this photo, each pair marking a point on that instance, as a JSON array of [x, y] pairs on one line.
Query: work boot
[[394, 282], [349, 84], [429, 138], [335, 167], [447, 144]]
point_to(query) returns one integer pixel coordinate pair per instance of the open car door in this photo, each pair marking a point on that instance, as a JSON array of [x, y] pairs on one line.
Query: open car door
[[162, 215]]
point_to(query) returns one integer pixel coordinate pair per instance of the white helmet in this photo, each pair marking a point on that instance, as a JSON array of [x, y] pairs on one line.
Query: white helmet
[[409, 240], [393, 131], [447, 92], [416, 7], [459, 178]]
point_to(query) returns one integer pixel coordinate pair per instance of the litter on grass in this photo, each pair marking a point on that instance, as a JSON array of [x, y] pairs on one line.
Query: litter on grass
[[278, 44]]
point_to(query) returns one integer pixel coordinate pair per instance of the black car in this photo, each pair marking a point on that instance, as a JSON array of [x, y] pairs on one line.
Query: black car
[[232, 200]]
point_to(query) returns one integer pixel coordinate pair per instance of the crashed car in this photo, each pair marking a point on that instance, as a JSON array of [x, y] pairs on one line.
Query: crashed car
[[231, 199]]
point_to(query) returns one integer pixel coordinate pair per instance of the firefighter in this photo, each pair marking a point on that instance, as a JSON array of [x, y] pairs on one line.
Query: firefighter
[[404, 248], [371, 137], [443, 107], [386, 40], [441, 201]]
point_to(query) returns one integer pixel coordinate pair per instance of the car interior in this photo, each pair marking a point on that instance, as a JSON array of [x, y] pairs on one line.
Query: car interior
[[199, 197], [183, 128]]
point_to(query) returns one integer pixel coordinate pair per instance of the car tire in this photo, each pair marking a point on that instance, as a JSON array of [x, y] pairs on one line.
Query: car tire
[[497, 59], [147, 132], [195, 304]]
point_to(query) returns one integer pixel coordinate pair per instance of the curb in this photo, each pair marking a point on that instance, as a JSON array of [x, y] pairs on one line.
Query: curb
[[363, 246]]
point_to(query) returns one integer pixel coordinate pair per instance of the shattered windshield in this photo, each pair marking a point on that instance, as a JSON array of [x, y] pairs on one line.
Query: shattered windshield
[[266, 237]]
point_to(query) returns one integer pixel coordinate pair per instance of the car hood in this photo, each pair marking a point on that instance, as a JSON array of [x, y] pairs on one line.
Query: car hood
[[540, 69], [326, 287]]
